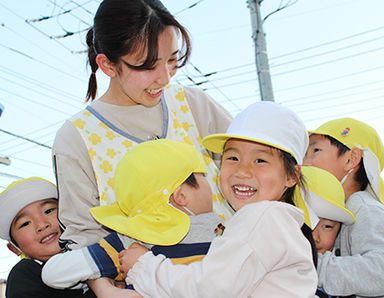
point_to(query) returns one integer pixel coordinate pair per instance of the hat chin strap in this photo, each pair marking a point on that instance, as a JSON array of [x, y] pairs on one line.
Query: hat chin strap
[[190, 212], [16, 247], [346, 176]]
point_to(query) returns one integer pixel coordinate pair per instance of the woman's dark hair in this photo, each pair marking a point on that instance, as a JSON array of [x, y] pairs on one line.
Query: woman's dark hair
[[360, 175], [122, 27]]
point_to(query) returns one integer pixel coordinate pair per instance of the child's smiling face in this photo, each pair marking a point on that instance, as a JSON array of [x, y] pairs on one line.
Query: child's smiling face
[[252, 172], [36, 229]]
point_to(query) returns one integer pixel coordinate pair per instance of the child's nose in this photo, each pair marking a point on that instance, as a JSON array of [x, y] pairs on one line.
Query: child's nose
[[42, 225], [316, 237], [243, 171], [307, 160]]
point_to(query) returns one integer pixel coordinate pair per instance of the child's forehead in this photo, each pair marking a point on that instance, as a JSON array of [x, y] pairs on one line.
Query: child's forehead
[[233, 144], [39, 204], [317, 138]]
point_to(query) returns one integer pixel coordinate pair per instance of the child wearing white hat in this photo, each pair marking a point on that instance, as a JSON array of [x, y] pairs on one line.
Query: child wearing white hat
[[262, 252], [354, 153], [28, 220], [163, 200]]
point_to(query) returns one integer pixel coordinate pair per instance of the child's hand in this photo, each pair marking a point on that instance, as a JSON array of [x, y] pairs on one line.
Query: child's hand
[[128, 257], [104, 287]]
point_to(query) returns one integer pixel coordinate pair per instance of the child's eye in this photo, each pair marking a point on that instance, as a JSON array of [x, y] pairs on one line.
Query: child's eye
[[24, 224], [232, 158], [259, 160], [49, 210], [316, 149], [328, 227]]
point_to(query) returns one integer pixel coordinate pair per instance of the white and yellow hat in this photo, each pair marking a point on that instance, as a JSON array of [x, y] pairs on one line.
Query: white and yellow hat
[[145, 178], [20, 194], [354, 133], [267, 123], [324, 196]]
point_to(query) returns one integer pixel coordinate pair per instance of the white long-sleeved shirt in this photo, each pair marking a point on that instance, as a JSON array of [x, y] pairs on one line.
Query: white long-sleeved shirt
[[262, 253]]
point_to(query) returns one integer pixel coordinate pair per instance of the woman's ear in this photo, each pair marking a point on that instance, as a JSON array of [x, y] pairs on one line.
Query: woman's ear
[[13, 248], [106, 65], [292, 180]]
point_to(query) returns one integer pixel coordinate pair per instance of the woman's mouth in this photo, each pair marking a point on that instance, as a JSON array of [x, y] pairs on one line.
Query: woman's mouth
[[154, 92]]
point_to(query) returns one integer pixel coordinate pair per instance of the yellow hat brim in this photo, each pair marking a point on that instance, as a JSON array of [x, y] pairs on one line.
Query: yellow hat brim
[[164, 225]]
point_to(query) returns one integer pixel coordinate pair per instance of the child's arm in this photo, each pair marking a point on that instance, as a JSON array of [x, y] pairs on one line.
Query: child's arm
[[69, 269], [104, 288]]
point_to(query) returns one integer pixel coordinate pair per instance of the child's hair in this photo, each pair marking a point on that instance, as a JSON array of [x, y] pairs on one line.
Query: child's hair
[[20, 194], [191, 181], [360, 175], [291, 169], [123, 27]]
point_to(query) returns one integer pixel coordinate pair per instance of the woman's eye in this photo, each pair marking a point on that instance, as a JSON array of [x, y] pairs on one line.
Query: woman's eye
[[316, 150]]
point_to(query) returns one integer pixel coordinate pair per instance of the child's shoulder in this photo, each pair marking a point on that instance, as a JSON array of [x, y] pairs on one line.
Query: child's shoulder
[[267, 211], [24, 271], [364, 202]]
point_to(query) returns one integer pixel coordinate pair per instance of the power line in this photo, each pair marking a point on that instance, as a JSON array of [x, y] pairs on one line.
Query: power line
[[24, 138]]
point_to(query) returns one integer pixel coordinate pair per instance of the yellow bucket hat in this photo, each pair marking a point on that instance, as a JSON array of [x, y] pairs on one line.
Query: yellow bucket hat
[[145, 178], [354, 133], [324, 196], [267, 123]]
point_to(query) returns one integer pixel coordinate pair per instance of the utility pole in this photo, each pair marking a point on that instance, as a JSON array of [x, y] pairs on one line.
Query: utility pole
[[262, 65]]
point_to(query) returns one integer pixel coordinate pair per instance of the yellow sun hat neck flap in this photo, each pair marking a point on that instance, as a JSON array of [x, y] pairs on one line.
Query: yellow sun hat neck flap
[[145, 178], [354, 133], [267, 123], [324, 196]]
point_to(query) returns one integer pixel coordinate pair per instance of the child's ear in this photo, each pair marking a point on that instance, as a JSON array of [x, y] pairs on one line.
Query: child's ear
[[14, 249], [292, 180], [106, 65], [354, 159], [179, 197]]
